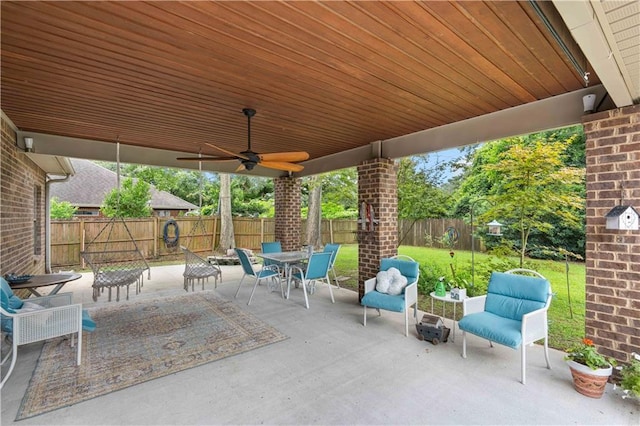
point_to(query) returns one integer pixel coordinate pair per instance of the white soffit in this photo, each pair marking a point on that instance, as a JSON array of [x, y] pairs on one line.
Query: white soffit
[[52, 164], [609, 35]]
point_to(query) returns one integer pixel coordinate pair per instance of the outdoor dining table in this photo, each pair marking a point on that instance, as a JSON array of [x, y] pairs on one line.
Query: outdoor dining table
[[44, 280], [287, 259]]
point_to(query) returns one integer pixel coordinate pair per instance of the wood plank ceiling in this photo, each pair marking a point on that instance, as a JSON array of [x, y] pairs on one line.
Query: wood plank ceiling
[[323, 76]]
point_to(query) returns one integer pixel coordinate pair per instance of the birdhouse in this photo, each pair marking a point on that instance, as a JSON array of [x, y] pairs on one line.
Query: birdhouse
[[622, 217]]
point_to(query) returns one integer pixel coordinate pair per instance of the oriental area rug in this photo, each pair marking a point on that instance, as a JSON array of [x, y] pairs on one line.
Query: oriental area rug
[[139, 341]]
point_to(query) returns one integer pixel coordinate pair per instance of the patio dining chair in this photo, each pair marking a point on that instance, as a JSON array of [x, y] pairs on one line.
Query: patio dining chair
[[271, 247], [333, 249], [270, 272], [316, 270]]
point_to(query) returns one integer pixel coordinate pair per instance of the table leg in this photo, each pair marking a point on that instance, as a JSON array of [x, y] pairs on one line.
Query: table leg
[[453, 326], [33, 291]]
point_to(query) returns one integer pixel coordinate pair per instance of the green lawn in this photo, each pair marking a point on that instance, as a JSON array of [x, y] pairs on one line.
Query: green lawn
[[564, 330]]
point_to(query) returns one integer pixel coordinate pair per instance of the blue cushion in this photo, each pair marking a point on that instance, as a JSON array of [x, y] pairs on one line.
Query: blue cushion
[[492, 327], [511, 296], [375, 299], [406, 267], [88, 324], [10, 302]]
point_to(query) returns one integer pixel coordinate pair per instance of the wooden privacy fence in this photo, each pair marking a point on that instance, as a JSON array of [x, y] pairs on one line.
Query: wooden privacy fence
[[70, 237]]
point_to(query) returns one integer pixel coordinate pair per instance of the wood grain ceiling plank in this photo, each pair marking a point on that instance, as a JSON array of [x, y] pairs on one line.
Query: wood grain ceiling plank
[[451, 16], [360, 53], [466, 52], [357, 51], [517, 17], [242, 67], [317, 70], [408, 37], [114, 110], [503, 36], [285, 92]]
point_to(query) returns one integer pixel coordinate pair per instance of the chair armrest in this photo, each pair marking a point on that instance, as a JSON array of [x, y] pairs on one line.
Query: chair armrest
[[411, 294], [471, 305], [534, 325], [51, 300], [369, 285], [47, 323], [272, 267], [294, 268]]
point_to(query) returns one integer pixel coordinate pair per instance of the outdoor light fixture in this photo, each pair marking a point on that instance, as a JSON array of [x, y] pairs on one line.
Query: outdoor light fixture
[[28, 144], [589, 102]]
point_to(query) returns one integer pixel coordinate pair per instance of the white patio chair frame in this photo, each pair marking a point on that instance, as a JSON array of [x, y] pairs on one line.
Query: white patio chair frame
[[58, 318]]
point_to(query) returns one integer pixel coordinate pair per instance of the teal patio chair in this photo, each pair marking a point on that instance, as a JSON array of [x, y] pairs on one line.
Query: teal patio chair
[[317, 269], [333, 249], [271, 247], [513, 313], [271, 272], [408, 268]]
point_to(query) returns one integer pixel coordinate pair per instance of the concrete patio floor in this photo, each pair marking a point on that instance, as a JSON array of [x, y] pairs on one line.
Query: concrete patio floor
[[332, 370]]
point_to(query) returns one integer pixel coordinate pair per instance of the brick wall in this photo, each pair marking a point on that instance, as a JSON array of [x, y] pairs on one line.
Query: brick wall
[[287, 212], [21, 181], [377, 186], [613, 256]]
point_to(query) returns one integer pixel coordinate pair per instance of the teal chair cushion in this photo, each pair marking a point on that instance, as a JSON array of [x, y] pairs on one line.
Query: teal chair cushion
[[511, 296], [384, 301], [10, 302], [88, 324], [493, 327], [407, 268]]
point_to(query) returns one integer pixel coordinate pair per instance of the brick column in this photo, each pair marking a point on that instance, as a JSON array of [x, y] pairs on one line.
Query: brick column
[[377, 186], [612, 256], [287, 212]]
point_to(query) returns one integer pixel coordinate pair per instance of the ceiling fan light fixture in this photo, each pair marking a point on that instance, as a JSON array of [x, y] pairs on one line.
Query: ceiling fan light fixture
[[285, 161]]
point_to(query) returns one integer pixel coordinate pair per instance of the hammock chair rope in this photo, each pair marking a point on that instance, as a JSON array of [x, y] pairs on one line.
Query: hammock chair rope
[[114, 266]]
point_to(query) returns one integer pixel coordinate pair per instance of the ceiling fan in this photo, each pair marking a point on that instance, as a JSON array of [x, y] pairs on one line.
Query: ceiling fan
[[249, 159]]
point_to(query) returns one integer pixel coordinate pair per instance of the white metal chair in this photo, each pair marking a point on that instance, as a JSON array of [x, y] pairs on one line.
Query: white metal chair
[[372, 298], [269, 271], [39, 319], [198, 269], [513, 313], [317, 269]]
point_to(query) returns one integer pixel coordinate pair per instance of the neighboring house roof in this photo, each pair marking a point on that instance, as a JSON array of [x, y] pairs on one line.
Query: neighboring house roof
[[91, 184]]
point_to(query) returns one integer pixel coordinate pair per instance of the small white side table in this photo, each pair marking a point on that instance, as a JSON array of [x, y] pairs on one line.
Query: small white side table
[[447, 299]]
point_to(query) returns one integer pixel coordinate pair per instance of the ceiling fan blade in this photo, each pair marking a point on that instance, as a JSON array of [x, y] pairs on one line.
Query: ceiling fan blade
[[288, 157], [207, 158], [281, 165], [226, 152]]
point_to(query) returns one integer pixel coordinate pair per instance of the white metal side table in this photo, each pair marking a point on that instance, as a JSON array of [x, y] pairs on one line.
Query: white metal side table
[[447, 299]]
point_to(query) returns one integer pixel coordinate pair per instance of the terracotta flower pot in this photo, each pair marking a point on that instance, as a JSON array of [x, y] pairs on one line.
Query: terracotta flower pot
[[587, 381]]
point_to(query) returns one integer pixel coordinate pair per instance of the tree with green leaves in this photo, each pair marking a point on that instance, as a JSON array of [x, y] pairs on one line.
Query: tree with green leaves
[[530, 183], [61, 209], [131, 200], [418, 194]]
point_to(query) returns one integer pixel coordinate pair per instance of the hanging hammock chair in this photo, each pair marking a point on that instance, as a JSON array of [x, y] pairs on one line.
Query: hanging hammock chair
[[115, 259], [197, 268]]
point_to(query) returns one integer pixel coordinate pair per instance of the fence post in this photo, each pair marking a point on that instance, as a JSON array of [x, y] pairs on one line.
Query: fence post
[[82, 235], [156, 223]]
